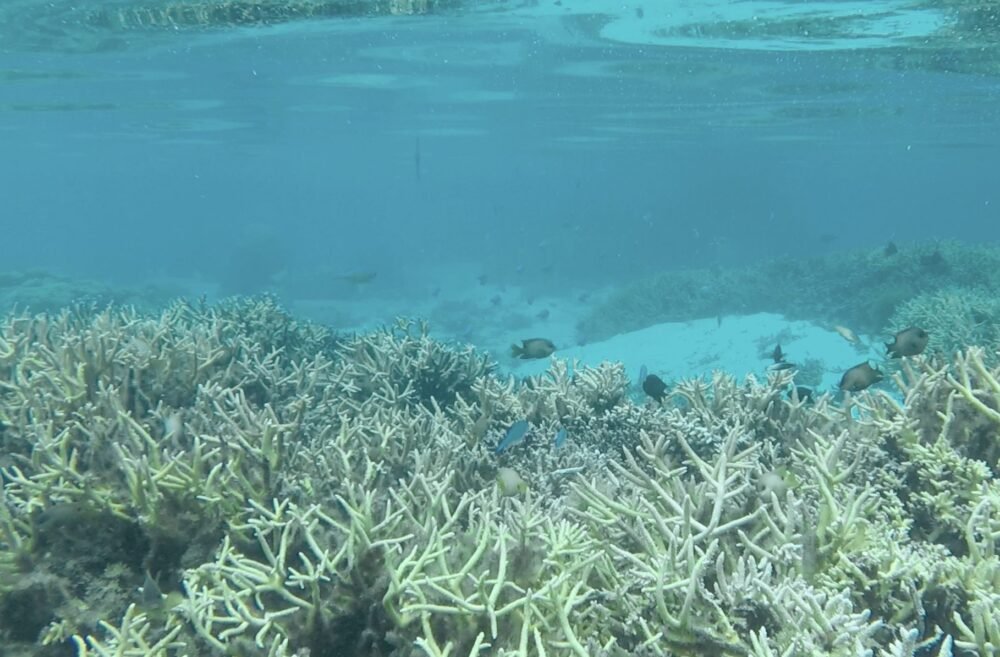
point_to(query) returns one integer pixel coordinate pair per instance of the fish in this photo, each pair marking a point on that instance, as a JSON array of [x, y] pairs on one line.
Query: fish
[[890, 249], [803, 393], [480, 426], [847, 334], [560, 437], [543, 314], [515, 433], [778, 355], [643, 373], [908, 342], [358, 278], [416, 159], [780, 366], [860, 377], [510, 483], [533, 348], [150, 591], [654, 386], [483, 279]]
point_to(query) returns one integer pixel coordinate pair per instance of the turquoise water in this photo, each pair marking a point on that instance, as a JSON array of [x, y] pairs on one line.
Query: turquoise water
[[715, 222], [552, 144]]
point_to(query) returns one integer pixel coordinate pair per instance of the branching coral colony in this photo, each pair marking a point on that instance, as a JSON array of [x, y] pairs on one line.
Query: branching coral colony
[[228, 481]]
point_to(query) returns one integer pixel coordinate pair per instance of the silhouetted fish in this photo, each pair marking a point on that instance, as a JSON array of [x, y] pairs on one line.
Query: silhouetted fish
[[908, 342], [777, 355], [533, 348], [804, 394], [416, 158], [654, 386], [890, 249], [358, 278], [860, 377]]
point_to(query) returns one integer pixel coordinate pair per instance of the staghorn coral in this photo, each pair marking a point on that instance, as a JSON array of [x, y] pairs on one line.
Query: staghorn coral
[[276, 490], [956, 317]]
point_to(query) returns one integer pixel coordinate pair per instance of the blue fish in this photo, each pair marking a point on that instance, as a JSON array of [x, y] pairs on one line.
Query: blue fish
[[643, 373], [560, 437], [514, 435]]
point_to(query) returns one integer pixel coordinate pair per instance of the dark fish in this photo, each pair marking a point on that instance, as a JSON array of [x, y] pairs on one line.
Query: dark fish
[[780, 366], [908, 342], [152, 596], [359, 278], [416, 159], [778, 355], [860, 377], [803, 393], [515, 433], [890, 249], [533, 348], [654, 386]]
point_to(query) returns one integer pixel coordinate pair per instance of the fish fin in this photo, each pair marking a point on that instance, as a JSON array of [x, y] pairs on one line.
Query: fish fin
[[516, 351]]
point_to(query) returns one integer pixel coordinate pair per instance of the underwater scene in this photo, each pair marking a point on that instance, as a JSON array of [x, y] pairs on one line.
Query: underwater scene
[[500, 328]]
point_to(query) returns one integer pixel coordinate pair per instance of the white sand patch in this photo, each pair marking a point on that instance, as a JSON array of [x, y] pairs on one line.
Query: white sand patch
[[492, 317], [682, 350]]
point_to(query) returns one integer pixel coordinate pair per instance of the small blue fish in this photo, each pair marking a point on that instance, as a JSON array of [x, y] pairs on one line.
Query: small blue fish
[[643, 373], [514, 435], [560, 437]]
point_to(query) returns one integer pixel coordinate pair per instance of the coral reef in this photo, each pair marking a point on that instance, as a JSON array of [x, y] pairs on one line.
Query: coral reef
[[956, 318], [40, 291], [230, 481], [862, 289]]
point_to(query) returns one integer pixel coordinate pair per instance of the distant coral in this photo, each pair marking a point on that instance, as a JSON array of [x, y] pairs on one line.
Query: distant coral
[[861, 288], [40, 291]]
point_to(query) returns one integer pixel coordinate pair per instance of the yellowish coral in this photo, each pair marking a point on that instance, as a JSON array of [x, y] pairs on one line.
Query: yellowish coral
[[343, 493]]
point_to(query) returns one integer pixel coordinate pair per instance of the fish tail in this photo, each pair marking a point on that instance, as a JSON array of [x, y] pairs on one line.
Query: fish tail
[[516, 351]]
